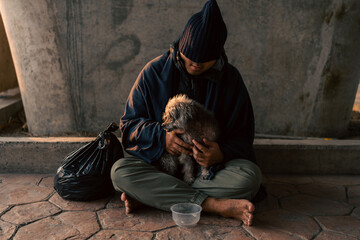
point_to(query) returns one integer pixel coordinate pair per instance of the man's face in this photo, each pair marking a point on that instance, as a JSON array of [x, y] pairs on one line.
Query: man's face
[[196, 69]]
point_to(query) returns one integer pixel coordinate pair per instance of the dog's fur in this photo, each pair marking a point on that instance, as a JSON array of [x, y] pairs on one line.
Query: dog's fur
[[198, 123]]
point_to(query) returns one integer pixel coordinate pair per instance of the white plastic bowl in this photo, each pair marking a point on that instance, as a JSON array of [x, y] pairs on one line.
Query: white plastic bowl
[[186, 214]]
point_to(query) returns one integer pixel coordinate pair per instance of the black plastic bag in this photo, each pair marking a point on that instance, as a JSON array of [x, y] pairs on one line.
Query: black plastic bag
[[85, 173]]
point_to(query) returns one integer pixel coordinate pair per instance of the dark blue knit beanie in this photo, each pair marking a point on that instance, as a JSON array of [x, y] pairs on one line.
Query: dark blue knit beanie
[[205, 34]]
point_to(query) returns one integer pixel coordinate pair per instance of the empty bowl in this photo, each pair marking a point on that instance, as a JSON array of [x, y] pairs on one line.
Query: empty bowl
[[186, 214]]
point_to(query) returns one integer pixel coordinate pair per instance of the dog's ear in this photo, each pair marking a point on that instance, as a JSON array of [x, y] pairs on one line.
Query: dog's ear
[[173, 113], [166, 118], [169, 118]]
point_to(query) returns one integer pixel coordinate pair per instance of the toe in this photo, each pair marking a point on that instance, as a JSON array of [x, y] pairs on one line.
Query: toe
[[248, 217], [127, 207], [251, 207], [123, 197]]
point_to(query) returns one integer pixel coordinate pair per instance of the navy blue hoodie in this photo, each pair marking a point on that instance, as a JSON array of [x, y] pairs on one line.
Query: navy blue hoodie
[[220, 89]]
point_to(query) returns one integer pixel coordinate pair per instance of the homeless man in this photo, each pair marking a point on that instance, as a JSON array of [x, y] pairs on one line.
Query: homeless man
[[195, 65]]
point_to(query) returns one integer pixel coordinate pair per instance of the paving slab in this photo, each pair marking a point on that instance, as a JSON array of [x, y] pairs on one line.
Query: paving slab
[[287, 221], [21, 179], [77, 205], [292, 211], [47, 181], [289, 178], [11, 194], [204, 232], [115, 201], [27, 213], [332, 192], [47, 228], [208, 219], [261, 232], [3, 207], [145, 220], [342, 224], [339, 180], [315, 206], [84, 221], [354, 195], [281, 189], [6, 230], [122, 235], [356, 213], [334, 236], [269, 203]]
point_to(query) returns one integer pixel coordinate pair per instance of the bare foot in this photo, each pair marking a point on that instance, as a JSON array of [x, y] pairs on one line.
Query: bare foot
[[130, 203], [240, 209]]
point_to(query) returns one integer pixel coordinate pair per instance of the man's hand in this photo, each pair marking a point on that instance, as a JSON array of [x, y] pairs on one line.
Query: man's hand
[[175, 146], [209, 155]]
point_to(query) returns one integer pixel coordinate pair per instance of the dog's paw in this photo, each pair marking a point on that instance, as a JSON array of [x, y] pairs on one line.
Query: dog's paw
[[189, 180], [205, 174]]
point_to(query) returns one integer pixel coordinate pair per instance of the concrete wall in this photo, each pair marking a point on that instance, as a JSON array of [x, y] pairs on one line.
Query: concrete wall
[[77, 60], [7, 71]]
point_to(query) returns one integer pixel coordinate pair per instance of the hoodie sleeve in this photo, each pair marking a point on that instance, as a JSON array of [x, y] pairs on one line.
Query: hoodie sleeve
[[237, 119], [142, 133]]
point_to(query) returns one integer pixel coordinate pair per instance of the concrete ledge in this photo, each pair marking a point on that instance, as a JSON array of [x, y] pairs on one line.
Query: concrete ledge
[[310, 156], [35, 154], [303, 156]]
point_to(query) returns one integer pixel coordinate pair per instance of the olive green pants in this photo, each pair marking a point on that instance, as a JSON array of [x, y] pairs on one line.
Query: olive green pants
[[240, 179]]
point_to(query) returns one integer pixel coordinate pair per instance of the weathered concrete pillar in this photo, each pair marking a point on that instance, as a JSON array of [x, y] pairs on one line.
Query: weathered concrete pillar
[[70, 57], [337, 71], [7, 72], [300, 60], [76, 60], [42, 78]]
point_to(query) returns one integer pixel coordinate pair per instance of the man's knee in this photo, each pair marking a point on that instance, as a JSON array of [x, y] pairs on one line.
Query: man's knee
[[121, 172], [115, 173], [249, 176], [118, 166], [239, 179]]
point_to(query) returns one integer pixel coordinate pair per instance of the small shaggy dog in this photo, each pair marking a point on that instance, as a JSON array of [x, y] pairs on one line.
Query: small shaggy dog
[[198, 123]]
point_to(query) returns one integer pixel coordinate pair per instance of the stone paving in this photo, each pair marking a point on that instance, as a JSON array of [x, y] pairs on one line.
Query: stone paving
[[297, 207]]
